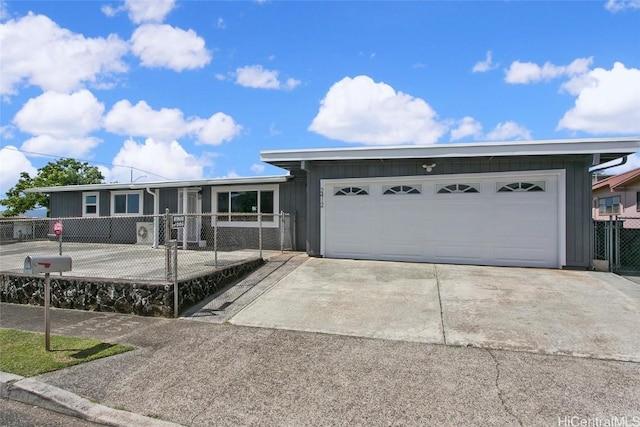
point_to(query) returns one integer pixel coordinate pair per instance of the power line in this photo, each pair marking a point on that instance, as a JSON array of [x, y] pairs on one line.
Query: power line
[[84, 160]]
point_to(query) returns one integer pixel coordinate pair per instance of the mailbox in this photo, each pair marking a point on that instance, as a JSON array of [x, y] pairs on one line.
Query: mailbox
[[47, 264]]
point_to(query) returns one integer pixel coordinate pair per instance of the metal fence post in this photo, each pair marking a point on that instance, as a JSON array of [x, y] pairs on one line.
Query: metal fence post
[[617, 246], [294, 236], [215, 240], [176, 295], [47, 320], [610, 242], [167, 239], [282, 222], [260, 233]]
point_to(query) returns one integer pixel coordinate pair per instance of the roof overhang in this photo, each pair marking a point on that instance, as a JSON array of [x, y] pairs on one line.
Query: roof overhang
[[607, 148], [163, 184]]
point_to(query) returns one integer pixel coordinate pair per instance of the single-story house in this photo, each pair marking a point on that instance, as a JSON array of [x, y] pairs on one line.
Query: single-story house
[[618, 195], [524, 203]]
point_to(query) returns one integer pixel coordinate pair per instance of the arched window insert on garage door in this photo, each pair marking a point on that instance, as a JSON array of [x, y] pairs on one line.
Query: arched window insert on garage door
[[402, 189], [458, 188], [520, 187], [351, 191]]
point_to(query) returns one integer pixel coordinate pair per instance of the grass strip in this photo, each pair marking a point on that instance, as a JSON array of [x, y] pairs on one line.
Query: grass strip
[[22, 353]]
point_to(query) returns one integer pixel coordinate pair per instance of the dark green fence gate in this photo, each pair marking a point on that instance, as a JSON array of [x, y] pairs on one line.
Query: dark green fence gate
[[618, 242]]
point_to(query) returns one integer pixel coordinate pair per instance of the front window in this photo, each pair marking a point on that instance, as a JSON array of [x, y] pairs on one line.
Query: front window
[[243, 205], [126, 203], [90, 204], [609, 205]]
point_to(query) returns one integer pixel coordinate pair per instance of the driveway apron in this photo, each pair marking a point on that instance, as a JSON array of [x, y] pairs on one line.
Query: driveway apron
[[577, 313], [376, 299]]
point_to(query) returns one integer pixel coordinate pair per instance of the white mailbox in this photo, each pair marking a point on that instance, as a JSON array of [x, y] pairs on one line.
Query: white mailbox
[[47, 264]]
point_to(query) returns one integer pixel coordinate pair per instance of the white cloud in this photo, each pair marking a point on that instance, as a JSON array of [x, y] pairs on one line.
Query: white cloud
[[165, 124], [486, 65], [141, 11], [7, 132], [529, 72], [168, 124], [167, 159], [4, 12], [61, 147], [148, 11], [36, 51], [273, 130], [361, 110], [220, 24], [468, 126], [111, 11], [257, 168], [165, 46], [615, 6], [509, 131], [231, 174], [60, 115], [608, 101], [217, 129], [12, 163], [255, 76]]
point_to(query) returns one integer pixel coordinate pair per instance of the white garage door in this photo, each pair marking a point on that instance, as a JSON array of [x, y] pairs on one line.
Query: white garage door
[[498, 219]]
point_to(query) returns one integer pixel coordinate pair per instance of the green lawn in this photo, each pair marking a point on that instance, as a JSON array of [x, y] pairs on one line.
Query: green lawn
[[22, 353]]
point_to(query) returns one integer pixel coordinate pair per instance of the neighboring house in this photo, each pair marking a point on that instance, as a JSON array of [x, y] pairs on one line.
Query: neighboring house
[[524, 203], [618, 195], [18, 227]]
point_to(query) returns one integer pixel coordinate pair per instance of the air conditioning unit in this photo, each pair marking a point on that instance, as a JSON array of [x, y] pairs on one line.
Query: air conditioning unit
[[144, 233]]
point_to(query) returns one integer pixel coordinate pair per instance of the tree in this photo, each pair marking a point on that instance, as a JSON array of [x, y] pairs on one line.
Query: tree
[[61, 172]]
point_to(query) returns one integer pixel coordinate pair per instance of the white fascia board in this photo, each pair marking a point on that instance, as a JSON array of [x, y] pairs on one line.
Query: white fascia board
[[164, 184], [488, 149]]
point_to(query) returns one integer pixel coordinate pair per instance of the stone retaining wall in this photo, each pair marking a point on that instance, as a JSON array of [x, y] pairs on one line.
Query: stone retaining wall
[[145, 299]]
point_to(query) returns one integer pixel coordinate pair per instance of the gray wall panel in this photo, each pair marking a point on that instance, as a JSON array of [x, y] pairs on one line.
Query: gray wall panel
[[293, 201], [66, 204], [578, 200], [105, 203], [169, 199], [206, 199]]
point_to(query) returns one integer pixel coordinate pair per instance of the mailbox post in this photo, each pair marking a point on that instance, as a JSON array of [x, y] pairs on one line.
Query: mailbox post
[[47, 265]]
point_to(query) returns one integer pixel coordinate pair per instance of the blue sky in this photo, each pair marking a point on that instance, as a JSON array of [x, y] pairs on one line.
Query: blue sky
[[196, 89]]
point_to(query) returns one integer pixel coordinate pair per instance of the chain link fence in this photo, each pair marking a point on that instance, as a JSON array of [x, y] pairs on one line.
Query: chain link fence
[[617, 242], [137, 247]]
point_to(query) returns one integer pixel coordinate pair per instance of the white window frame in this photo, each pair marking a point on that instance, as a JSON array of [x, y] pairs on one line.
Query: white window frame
[[616, 208], [85, 204], [127, 192], [265, 223]]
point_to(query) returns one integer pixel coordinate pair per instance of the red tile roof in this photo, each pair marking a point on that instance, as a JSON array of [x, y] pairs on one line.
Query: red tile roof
[[618, 181]]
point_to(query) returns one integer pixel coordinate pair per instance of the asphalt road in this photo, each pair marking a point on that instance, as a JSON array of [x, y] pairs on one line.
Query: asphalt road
[[16, 414]]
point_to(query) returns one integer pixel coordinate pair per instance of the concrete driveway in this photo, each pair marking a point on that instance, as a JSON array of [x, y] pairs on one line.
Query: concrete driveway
[[578, 313]]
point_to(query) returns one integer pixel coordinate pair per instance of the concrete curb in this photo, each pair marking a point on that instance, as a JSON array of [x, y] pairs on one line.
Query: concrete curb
[[33, 392]]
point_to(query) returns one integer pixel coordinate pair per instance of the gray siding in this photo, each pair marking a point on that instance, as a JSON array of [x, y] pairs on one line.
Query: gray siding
[[168, 199], [578, 185], [293, 201], [67, 204]]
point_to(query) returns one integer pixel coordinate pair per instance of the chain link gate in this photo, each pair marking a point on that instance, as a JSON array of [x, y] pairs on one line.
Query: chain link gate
[[617, 242]]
